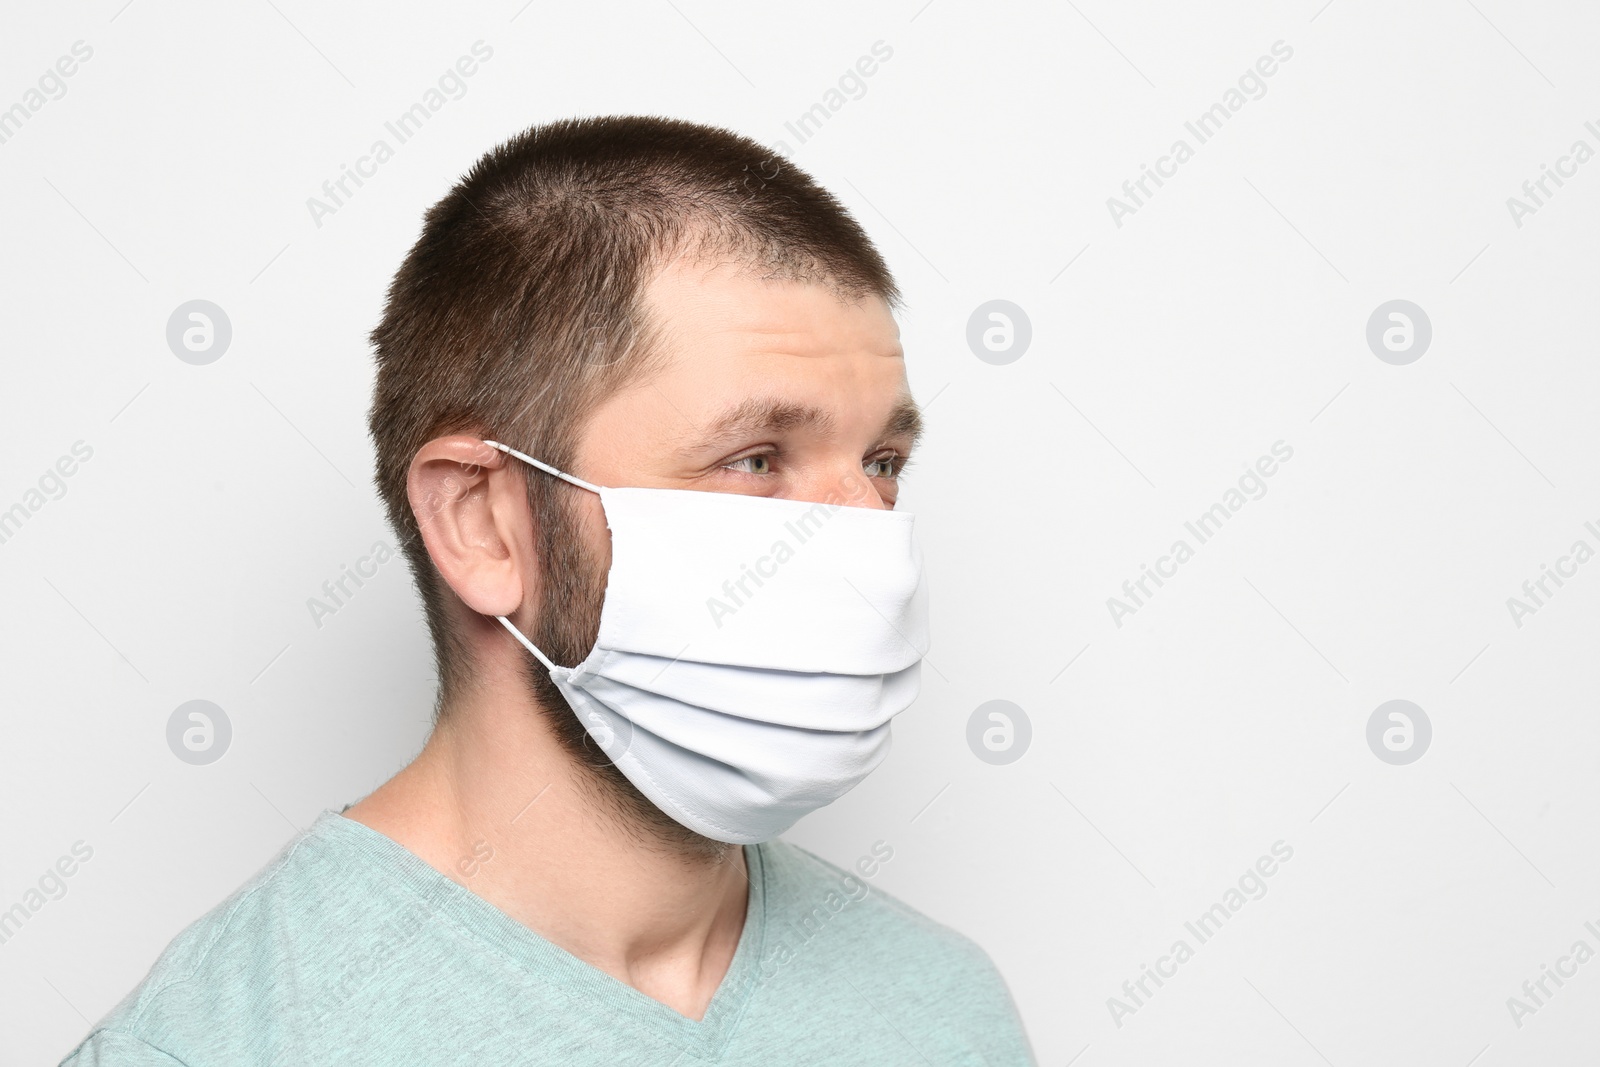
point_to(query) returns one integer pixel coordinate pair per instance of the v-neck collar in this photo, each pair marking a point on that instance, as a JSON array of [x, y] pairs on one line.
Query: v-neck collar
[[560, 969]]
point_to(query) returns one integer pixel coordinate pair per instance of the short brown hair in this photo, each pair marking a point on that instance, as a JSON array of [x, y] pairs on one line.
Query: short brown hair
[[520, 305]]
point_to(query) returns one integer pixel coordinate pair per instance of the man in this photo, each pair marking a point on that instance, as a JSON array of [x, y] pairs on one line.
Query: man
[[640, 415]]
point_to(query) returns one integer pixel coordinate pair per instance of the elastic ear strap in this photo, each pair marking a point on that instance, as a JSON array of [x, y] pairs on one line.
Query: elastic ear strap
[[563, 475], [542, 658]]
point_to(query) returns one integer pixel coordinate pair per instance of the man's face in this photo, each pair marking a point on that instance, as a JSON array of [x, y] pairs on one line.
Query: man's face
[[767, 389]]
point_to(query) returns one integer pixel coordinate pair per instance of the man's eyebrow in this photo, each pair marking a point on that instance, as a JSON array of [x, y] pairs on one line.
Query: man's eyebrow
[[905, 421], [759, 415]]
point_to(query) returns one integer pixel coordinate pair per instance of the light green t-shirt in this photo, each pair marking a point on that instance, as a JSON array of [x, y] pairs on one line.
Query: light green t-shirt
[[349, 949]]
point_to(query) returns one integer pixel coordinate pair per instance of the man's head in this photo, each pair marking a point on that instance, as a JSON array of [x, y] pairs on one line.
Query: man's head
[[641, 302]]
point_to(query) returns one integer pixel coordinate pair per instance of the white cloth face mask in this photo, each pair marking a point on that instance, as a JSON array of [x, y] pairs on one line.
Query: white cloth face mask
[[751, 653]]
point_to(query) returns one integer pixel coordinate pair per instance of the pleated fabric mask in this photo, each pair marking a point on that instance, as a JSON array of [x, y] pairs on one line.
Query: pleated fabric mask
[[752, 651]]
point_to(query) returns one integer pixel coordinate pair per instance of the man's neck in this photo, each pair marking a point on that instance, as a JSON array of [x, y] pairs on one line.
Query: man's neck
[[496, 804]]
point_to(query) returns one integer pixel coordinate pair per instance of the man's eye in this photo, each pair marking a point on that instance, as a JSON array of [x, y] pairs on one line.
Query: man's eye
[[883, 467], [758, 464]]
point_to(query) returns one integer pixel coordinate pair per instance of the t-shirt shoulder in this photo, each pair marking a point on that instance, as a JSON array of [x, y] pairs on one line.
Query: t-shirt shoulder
[[813, 892], [832, 927], [241, 948]]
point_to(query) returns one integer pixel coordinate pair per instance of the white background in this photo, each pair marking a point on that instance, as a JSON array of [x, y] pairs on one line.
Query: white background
[[1228, 313]]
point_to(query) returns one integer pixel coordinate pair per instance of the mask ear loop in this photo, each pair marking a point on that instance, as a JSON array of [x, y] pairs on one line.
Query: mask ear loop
[[564, 476], [529, 645]]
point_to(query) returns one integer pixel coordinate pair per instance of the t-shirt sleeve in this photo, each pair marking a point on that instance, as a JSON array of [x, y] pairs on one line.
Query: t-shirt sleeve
[[113, 1048]]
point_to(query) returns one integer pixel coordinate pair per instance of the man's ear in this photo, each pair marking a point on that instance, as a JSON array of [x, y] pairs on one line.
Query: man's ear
[[472, 509]]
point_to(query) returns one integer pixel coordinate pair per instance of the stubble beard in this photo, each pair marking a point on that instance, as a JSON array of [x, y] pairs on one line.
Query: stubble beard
[[574, 581]]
